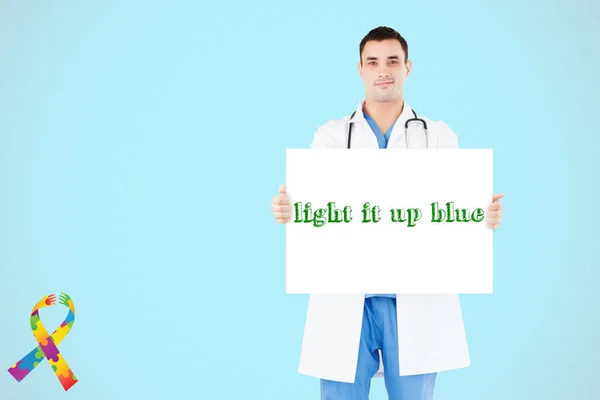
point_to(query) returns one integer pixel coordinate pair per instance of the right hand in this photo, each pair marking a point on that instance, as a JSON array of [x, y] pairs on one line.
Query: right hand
[[281, 206]]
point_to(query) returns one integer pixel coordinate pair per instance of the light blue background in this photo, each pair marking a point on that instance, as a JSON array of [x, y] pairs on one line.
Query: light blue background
[[141, 144]]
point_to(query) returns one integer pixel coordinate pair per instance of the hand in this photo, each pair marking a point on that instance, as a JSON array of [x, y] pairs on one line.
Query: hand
[[495, 212], [65, 300], [281, 206], [45, 302]]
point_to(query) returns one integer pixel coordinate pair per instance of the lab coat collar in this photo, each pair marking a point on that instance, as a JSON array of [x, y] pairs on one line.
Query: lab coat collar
[[404, 116]]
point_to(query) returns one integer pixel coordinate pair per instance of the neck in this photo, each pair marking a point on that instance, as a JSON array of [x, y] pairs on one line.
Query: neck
[[384, 111]]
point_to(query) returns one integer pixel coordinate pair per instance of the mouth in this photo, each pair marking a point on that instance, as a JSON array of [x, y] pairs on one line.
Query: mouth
[[384, 83]]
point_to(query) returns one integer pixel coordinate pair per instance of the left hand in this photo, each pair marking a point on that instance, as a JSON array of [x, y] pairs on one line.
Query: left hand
[[495, 212]]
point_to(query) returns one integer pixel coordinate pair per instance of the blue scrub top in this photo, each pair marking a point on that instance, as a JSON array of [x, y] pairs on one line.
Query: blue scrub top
[[383, 142]]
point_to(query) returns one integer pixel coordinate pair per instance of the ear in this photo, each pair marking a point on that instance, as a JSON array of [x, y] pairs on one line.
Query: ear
[[408, 67], [359, 66]]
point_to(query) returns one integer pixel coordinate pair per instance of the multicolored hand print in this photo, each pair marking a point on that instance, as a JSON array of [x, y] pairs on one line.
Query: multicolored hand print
[[47, 344]]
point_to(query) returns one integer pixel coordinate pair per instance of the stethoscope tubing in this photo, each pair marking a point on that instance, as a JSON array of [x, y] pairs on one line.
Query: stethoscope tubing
[[416, 118]]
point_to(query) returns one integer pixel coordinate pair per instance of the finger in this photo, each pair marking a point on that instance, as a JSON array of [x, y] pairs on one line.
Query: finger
[[279, 199], [281, 208], [493, 207], [494, 214], [282, 189], [281, 215], [282, 220]]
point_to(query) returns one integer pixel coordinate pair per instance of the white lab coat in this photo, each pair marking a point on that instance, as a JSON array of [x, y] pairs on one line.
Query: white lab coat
[[431, 334]]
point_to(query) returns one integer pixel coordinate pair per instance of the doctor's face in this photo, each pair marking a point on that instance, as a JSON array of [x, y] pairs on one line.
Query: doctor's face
[[383, 70]]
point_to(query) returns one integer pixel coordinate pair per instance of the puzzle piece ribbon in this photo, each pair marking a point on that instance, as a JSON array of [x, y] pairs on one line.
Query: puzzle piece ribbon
[[47, 344]]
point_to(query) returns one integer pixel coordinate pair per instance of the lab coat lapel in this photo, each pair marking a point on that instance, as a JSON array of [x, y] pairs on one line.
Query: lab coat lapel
[[363, 136], [397, 135]]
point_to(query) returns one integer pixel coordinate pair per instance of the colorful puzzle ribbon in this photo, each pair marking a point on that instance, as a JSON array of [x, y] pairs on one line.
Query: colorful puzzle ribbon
[[47, 344]]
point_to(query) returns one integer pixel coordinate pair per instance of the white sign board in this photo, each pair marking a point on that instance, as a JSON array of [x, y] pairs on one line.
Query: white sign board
[[389, 221]]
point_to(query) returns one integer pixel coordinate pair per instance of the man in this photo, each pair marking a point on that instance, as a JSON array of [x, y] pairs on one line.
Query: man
[[409, 337]]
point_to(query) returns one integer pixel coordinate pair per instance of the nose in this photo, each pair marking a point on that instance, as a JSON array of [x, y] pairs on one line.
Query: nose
[[384, 74]]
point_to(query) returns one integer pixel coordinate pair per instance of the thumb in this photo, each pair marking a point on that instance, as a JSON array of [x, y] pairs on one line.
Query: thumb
[[282, 190], [498, 196]]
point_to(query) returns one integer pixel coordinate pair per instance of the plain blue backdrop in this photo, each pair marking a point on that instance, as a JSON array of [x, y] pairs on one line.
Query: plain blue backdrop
[[141, 144]]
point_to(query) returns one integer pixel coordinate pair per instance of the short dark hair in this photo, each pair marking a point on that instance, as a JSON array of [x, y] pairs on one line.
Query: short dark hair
[[383, 33]]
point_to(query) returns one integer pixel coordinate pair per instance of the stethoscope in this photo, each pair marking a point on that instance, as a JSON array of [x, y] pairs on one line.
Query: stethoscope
[[417, 119]]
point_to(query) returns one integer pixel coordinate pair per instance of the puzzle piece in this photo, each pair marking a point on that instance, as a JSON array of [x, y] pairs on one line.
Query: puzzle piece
[[63, 372], [17, 372], [69, 381], [40, 331], [60, 365], [39, 355], [50, 350], [70, 318], [34, 320], [30, 359], [40, 336], [60, 333]]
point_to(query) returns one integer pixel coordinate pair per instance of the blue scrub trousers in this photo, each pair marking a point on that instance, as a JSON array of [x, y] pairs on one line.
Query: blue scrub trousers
[[379, 332]]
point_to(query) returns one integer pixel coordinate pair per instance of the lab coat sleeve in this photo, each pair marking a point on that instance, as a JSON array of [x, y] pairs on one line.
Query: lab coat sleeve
[[447, 138], [325, 137]]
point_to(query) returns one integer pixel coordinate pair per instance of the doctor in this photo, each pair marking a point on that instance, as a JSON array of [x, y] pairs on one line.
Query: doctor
[[407, 339]]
